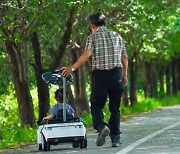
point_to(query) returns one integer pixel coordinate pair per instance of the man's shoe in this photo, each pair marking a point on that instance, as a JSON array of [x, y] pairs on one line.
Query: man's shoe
[[102, 136], [115, 144], [115, 141]]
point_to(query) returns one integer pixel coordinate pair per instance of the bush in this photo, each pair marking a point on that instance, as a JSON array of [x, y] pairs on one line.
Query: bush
[[87, 118], [16, 135], [149, 104]]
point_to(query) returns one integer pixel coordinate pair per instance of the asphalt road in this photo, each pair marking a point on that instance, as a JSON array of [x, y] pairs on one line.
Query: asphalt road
[[146, 133]]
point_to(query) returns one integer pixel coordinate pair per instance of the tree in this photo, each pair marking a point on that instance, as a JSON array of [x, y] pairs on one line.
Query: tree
[[13, 29]]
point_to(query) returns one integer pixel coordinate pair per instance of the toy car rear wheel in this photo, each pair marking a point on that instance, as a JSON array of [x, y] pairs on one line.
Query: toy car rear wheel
[[83, 144], [46, 145]]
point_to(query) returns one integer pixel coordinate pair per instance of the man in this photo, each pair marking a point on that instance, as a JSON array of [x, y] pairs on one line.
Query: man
[[109, 65]]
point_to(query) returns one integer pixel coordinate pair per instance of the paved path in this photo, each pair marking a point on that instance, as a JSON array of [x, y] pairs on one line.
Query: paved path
[[146, 133]]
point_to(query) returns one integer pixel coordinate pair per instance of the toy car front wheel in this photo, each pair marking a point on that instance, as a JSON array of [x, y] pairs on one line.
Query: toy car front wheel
[[75, 144], [46, 145], [39, 146]]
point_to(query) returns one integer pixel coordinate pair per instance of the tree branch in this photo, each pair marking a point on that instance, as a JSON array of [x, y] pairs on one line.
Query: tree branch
[[29, 26], [19, 4], [65, 39]]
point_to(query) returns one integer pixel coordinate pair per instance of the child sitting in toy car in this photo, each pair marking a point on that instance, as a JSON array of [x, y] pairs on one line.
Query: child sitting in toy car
[[57, 110]]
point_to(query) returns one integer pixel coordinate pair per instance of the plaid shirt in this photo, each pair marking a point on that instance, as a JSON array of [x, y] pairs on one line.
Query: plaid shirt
[[106, 47]]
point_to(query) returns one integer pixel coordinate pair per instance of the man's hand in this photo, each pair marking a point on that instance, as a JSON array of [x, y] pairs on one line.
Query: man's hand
[[66, 70]]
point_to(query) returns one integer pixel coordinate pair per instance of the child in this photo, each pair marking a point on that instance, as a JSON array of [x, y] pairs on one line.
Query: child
[[59, 106]]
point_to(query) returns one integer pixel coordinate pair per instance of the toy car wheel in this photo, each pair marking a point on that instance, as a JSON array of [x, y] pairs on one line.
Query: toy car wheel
[[40, 147], [46, 145], [75, 144], [83, 144]]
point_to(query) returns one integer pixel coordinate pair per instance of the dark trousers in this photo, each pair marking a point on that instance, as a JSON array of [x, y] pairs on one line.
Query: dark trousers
[[106, 83]]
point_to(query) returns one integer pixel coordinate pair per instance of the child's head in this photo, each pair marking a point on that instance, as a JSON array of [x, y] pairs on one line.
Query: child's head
[[59, 95]]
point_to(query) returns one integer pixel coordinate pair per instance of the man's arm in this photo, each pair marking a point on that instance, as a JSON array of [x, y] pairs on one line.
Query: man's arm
[[82, 59], [124, 68]]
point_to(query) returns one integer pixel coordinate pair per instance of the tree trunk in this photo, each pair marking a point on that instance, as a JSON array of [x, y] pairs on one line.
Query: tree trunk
[[71, 99], [151, 76], [21, 84], [178, 73], [125, 97], [168, 80], [133, 81], [88, 66], [161, 80], [42, 87], [174, 76], [144, 78], [154, 79], [80, 85], [82, 99]]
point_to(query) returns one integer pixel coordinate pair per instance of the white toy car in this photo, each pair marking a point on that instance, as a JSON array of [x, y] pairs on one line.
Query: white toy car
[[52, 132]]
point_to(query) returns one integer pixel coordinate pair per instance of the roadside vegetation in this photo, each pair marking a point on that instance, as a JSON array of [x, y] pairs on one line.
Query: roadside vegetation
[[143, 105]]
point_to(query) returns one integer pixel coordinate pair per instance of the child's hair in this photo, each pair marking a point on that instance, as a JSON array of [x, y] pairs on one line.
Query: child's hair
[[59, 95]]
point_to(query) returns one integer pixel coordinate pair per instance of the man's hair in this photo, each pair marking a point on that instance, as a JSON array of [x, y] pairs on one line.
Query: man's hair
[[59, 95], [98, 19]]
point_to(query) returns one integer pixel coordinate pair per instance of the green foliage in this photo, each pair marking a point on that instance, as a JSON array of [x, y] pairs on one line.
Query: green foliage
[[149, 104], [10, 129], [87, 118], [9, 110], [5, 74], [16, 135]]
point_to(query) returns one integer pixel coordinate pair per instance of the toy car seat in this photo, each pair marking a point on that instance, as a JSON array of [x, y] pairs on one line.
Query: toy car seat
[[59, 114]]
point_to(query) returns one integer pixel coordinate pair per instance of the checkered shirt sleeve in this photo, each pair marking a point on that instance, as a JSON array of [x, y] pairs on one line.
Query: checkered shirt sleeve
[[89, 44]]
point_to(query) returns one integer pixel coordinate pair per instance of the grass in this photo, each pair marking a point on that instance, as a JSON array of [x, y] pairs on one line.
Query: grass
[[13, 134]]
